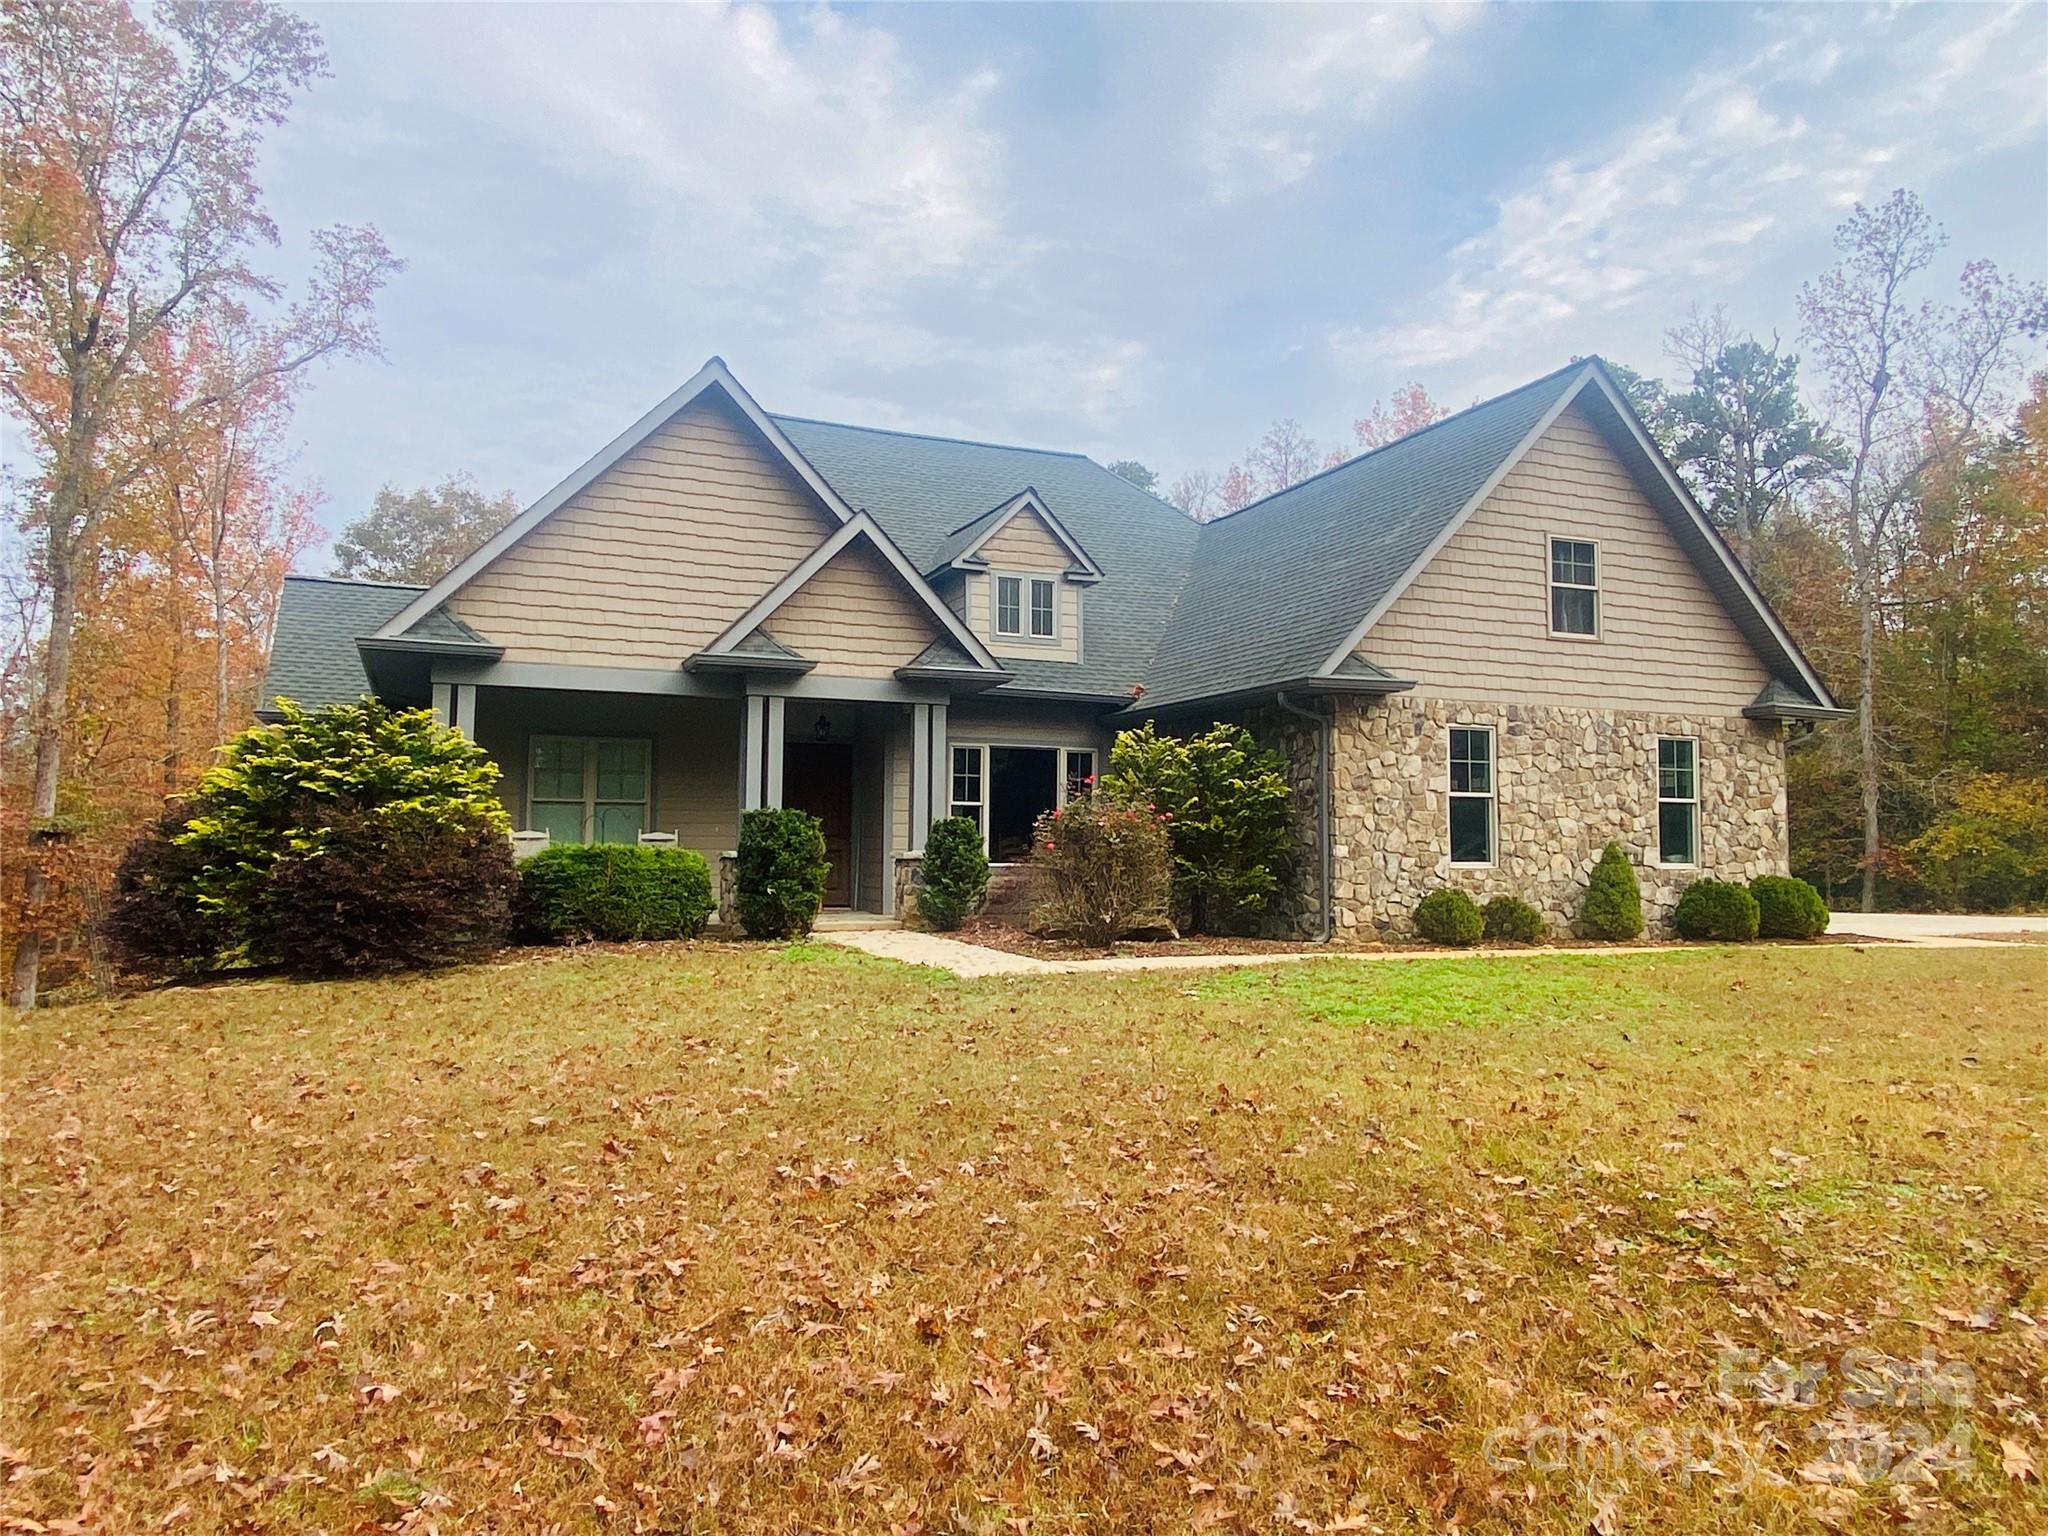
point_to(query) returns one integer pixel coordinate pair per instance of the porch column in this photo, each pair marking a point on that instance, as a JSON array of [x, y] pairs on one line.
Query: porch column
[[929, 764], [761, 735], [753, 741], [455, 704]]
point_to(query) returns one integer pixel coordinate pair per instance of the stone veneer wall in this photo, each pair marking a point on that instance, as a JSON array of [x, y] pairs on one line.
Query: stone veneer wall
[[1295, 911], [1569, 779]]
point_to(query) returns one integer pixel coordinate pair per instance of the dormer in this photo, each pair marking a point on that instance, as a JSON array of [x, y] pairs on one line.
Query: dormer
[[1021, 574]]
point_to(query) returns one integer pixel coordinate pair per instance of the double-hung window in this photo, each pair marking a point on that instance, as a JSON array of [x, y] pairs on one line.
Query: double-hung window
[[1016, 606], [1574, 588], [969, 797], [1079, 776], [1472, 795], [1678, 800], [588, 789]]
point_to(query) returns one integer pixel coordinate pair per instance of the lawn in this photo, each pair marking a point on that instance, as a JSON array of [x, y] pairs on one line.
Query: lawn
[[726, 1239]]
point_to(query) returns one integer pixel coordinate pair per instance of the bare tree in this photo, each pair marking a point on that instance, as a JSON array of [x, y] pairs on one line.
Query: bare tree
[[1195, 493], [1285, 456], [127, 182], [1907, 390]]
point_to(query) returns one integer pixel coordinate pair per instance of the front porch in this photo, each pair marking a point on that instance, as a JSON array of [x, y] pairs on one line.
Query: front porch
[[681, 766]]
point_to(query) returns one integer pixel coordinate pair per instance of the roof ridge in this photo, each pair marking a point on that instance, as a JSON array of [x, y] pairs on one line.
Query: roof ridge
[[934, 437], [355, 581], [1407, 437]]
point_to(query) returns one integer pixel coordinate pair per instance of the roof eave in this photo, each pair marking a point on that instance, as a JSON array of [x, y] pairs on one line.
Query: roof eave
[[744, 661], [1371, 687], [467, 650], [968, 679], [1814, 712]]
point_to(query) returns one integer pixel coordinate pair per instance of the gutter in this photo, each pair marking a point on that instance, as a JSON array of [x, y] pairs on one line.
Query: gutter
[[1324, 831]]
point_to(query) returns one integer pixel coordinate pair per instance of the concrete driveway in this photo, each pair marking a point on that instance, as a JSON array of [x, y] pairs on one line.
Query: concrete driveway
[[1940, 930]]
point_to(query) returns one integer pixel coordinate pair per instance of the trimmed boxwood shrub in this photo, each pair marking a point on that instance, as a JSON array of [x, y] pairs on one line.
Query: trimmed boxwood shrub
[[1512, 919], [1715, 909], [1614, 902], [391, 891], [215, 883], [955, 873], [613, 891], [779, 876], [1449, 917], [1788, 908]]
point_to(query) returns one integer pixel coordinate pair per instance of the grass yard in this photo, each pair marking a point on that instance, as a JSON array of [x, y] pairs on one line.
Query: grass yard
[[747, 1240]]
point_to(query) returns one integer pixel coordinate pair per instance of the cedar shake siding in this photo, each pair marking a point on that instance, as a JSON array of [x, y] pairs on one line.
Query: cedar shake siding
[[1475, 622], [854, 618], [654, 559]]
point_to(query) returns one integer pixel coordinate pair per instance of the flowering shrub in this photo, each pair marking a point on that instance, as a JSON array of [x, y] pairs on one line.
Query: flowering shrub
[[1104, 869], [1224, 800]]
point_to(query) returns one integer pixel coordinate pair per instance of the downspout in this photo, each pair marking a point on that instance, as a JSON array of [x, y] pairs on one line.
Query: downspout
[[1323, 830]]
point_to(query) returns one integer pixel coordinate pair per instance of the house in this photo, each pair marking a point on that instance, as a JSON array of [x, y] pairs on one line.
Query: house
[[1485, 649]]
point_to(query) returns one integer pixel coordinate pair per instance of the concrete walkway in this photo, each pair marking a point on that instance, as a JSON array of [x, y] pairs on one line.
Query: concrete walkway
[[1940, 930], [1921, 930]]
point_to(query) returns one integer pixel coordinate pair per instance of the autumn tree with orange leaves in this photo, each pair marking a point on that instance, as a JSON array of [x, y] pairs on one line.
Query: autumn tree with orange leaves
[[138, 332]]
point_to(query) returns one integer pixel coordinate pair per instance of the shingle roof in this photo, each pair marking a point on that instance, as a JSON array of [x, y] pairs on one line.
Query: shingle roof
[[314, 660], [923, 488], [1256, 600], [1275, 589]]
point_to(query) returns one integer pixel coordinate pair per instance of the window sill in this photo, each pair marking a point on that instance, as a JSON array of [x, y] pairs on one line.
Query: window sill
[[1565, 634]]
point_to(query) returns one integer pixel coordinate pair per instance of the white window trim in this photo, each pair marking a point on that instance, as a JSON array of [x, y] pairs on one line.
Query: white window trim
[[590, 800], [1022, 635], [1551, 585], [1657, 859], [1491, 797], [1061, 770]]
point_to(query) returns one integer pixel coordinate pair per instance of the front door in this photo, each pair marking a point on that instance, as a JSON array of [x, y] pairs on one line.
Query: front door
[[818, 777]]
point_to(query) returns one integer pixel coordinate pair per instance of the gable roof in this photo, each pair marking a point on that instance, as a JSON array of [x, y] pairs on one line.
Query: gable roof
[[1278, 595], [1343, 545], [713, 376], [962, 547], [859, 527], [925, 490]]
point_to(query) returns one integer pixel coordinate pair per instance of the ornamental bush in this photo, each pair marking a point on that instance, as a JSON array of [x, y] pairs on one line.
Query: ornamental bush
[[1225, 802], [1788, 908], [779, 877], [1104, 870], [1715, 909], [955, 873], [154, 921], [391, 891], [570, 894], [1512, 919], [1449, 917], [1614, 902], [203, 889]]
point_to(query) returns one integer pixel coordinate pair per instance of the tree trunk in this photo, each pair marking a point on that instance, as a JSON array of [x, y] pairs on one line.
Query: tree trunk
[[1867, 767], [49, 742], [220, 657]]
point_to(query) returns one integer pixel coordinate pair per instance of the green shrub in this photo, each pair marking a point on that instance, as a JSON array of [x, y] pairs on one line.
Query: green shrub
[[1449, 917], [1224, 799], [1788, 908], [955, 873], [779, 877], [570, 894], [1103, 870], [391, 890], [154, 921], [1614, 902], [1513, 919], [277, 795], [1715, 909]]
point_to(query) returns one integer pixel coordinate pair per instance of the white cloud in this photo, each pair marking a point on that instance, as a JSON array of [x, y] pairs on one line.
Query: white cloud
[[1688, 199], [1281, 101]]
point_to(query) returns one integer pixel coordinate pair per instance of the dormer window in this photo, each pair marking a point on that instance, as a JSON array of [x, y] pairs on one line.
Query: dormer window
[[1012, 611], [1574, 588]]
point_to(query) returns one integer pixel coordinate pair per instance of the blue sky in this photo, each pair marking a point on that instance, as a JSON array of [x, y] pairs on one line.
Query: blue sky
[[1130, 230]]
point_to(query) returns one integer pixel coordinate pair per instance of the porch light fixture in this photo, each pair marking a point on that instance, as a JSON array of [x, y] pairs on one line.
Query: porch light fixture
[[823, 729]]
